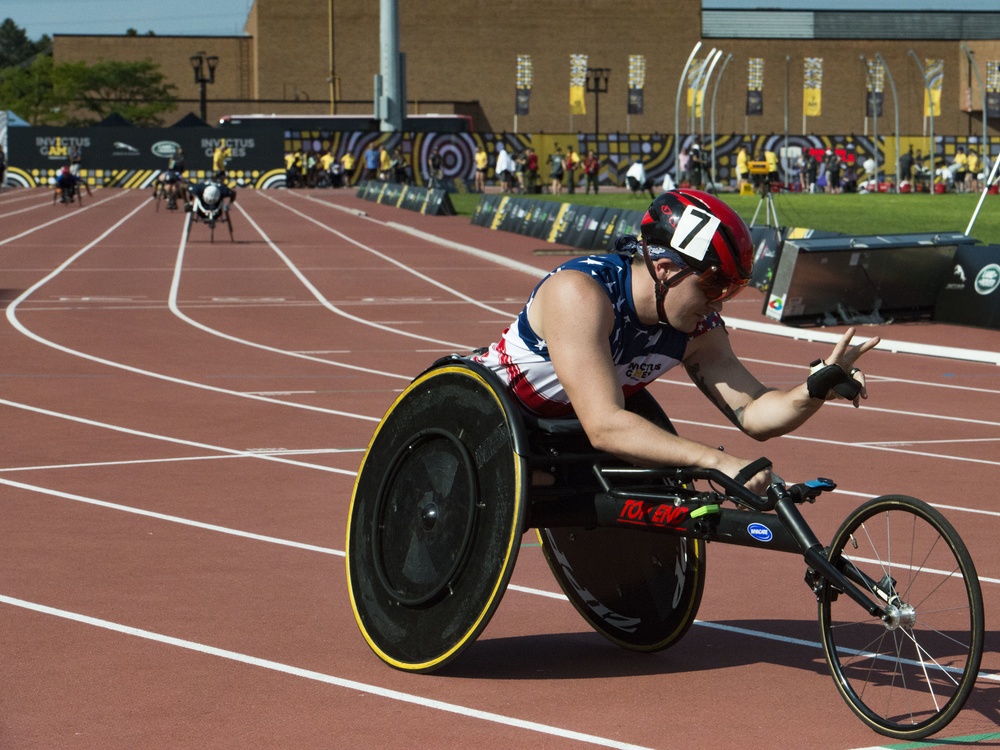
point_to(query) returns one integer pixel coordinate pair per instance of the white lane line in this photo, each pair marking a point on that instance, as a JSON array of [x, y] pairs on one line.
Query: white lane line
[[309, 674], [16, 323], [179, 459], [340, 553], [66, 216], [175, 309], [263, 456], [393, 261], [272, 540], [328, 305]]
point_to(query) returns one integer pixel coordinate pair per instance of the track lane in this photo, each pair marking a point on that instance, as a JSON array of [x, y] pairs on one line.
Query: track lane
[[526, 638]]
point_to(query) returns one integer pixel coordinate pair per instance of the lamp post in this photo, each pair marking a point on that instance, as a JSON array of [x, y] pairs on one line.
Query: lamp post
[[930, 113], [200, 63], [597, 84]]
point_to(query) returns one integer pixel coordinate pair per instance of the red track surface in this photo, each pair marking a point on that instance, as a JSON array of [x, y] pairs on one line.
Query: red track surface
[[181, 426]]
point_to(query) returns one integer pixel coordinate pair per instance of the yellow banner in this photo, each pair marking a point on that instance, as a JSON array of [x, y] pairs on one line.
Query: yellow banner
[[812, 98], [812, 102], [934, 72], [577, 82]]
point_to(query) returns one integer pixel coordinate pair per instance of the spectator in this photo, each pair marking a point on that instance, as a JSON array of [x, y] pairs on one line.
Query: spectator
[[592, 171], [742, 168], [221, 156], [482, 163], [695, 165], [504, 168], [572, 163], [531, 171], [959, 169], [637, 181], [434, 170], [385, 164], [973, 169], [906, 167], [347, 165], [371, 157], [557, 166]]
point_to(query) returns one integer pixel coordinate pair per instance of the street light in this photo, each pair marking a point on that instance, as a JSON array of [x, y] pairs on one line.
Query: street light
[[199, 62], [597, 84]]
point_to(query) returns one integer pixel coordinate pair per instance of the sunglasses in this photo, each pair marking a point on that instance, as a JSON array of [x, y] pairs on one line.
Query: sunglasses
[[716, 286]]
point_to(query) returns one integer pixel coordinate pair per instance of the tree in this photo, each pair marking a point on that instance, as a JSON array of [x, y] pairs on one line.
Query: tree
[[29, 91], [135, 90], [16, 48]]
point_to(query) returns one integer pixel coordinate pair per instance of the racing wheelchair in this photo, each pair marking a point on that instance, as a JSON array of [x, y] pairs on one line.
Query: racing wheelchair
[[444, 494], [210, 214]]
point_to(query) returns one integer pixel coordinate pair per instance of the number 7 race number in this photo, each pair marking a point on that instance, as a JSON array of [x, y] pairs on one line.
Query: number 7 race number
[[694, 232]]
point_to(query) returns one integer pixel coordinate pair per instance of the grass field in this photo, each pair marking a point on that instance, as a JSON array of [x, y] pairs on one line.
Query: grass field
[[881, 213]]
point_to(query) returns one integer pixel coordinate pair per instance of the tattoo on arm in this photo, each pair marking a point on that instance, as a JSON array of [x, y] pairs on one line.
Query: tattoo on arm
[[737, 415]]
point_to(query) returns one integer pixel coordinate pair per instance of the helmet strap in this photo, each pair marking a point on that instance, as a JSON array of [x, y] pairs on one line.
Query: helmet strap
[[659, 287]]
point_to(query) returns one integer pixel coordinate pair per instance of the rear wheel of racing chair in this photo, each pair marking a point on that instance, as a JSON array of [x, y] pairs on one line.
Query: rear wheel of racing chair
[[441, 502], [437, 516], [638, 589]]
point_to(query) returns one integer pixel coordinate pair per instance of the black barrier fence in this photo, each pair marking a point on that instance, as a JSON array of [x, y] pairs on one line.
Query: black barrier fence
[[132, 157], [971, 294], [854, 279], [428, 201], [584, 227]]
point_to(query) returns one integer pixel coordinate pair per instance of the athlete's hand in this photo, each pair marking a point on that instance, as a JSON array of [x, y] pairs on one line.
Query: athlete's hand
[[731, 466], [845, 355]]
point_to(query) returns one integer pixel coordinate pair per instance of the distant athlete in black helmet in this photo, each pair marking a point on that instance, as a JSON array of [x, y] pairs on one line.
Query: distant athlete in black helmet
[[599, 328]]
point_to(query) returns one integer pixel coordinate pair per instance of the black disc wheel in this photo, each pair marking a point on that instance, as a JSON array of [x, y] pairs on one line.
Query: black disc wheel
[[639, 590], [909, 673], [435, 521]]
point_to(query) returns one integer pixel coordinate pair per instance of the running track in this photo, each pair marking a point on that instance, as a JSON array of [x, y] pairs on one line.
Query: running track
[[181, 424]]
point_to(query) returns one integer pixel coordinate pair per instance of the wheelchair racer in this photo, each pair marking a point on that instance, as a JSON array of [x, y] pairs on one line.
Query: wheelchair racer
[[208, 198], [600, 328], [67, 185], [172, 180]]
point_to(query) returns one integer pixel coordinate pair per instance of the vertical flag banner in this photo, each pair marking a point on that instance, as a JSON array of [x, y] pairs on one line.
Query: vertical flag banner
[[993, 88], [636, 83], [934, 70], [524, 73], [876, 88], [695, 88], [812, 87], [755, 86], [577, 83]]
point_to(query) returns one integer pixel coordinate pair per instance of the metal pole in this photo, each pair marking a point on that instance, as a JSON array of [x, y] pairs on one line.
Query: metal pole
[[393, 110], [895, 104], [707, 77], [788, 62], [930, 111], [972, 64], [715, 91], [697, 86], [677, 114]]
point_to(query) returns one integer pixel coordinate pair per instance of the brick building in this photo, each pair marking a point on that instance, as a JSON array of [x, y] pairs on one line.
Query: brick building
[[461, 56]]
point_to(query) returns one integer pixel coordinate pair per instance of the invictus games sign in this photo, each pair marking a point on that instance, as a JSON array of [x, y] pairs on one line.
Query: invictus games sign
[[59, 147], [131, 148]]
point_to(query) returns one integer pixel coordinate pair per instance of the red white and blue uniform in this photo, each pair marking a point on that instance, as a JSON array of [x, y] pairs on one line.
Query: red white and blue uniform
[[641, 353]]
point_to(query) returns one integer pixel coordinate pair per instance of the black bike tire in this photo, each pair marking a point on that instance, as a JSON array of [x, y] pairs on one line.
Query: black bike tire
[[856, 701], [158, 194]]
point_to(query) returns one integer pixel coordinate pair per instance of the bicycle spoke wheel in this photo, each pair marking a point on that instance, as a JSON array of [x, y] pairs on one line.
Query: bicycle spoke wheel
[[906, 675]]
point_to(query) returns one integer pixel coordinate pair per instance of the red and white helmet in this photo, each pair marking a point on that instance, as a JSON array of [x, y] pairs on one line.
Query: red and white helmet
[[702, 231]]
